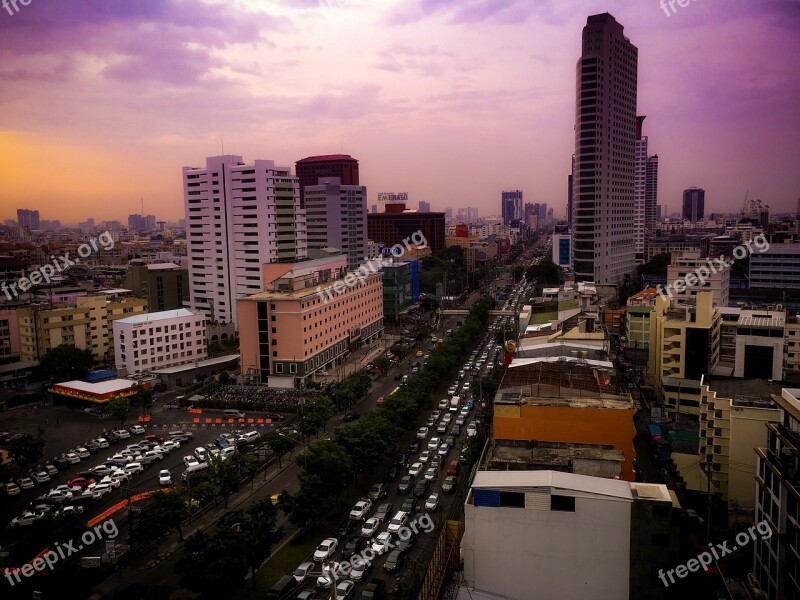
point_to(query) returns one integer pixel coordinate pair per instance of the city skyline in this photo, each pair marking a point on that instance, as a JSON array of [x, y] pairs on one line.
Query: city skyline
[[138, 110]]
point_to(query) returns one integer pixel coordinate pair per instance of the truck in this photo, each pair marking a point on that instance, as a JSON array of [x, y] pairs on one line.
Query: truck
[[455, 403]]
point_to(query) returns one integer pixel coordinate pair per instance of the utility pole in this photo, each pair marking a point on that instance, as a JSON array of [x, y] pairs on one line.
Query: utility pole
[[709, 471]]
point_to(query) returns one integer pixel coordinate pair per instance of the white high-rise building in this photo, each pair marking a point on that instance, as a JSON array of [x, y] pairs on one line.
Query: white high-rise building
[[639, 188], [336, 217], [238, 217], [605, 135]]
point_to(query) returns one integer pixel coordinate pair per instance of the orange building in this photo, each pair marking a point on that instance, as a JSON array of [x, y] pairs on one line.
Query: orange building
[[311, 314], [567, 402]]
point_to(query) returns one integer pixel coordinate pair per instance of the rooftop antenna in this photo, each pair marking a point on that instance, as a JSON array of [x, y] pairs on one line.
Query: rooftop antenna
[[222, 143]]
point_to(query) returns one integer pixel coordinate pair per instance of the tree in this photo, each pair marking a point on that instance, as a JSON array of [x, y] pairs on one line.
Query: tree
[[259, 532], [213, 564], [546, 272], [224, 476], [65, 363], [383, 363], [281, 443], [399, 350], [27, 450], [224, 378], [328, 461], [143, 396], [171, 505], [120, 408], [316, 415]]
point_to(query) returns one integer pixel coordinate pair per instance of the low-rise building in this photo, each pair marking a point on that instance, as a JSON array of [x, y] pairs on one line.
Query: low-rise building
[[157, 340], [165, 285]]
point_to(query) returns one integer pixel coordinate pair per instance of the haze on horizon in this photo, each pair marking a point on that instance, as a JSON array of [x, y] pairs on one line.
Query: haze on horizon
[[103, 101]]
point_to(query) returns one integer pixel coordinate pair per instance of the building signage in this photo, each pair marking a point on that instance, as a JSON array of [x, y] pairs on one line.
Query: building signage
[[392, 197]]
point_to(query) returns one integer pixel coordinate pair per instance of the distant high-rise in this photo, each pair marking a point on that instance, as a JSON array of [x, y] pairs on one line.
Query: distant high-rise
[[374, 208], [448, 213], [645, 193], [570, 184], [472, 214], [27, 218], [424, 206], [239, 217], [336, 217], [310, 169], [694, 200], [511, 206], [605, 136]]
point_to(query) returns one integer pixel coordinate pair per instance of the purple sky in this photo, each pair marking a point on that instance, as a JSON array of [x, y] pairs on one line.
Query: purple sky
[[103, 101]]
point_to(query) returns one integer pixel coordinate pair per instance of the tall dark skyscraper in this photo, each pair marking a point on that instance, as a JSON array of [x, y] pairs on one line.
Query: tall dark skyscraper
[[27, 218], [511, 206], [570, 184], [605, 136], [310, 169], [694, 200]]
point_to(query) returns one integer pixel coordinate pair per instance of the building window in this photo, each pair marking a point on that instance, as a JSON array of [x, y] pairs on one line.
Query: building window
[[562, 503]]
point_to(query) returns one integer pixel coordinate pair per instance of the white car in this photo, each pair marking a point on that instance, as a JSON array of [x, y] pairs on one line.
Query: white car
[[120, 475], [164, 477], [324, 580], [370, 527], [326, 548], [11, 488], [344, 589], [115, 483], [360, 510], [25, 483], [26, 518], [432, 473], [424, 456], [433, 444], [201, 453], [381, 543], [443, 403], [100, 489], [41, 477], [301, 573], [444, 449], [121, 434], [72, 458], [432, 503], [170, 445], [422, 433], [397, 522], [154, 455], [134, 467], [190, 461], [82, 452], [415, 469], [101, 442], [137, 429]]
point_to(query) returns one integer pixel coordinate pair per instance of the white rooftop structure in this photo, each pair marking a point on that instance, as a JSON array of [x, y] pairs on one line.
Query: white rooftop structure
[[157, 316]]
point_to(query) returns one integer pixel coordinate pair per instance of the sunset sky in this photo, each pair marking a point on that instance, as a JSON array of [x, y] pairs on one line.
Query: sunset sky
[[103, 101]]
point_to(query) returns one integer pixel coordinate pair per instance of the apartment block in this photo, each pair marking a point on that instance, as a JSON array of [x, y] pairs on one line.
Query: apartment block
[[683, 346], [158, 340], [776, 562], [683, 281], [791, 356], [776, 267], [9, 332], [239, 217], [165, 286], [309, 317]]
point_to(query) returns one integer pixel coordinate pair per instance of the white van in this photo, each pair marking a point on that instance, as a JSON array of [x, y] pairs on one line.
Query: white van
[[194, 470], [232, 413], [455, 402]]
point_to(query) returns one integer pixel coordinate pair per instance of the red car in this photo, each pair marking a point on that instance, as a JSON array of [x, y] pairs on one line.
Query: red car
[[81, 482], [154, 438]]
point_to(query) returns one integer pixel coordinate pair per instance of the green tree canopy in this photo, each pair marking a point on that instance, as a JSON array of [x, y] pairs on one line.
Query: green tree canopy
[[65, 363]]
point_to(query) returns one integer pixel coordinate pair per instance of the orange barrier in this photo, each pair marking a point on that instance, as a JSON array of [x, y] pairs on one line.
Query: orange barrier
[[119, 506], [208, 420], [195, 420], [195, 411], [146, 419]]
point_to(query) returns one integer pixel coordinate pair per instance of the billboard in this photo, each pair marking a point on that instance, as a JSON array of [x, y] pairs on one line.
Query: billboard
[[392, 197]]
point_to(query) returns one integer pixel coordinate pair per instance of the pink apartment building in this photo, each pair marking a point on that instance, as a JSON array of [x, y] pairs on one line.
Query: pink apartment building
[[310, 315]]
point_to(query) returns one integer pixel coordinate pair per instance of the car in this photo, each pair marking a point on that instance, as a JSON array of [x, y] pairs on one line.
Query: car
[[443, 449], [324, 580], [394, 561], [164, 477], [433, 443], [59, 496], [420, 354], [51, 470], [98, 490], [402, 460], [405, 484], [392, 473], [409, 505], [154, 454], [442, 427], [120, 475], [190, 461], [345, 528], [70, 510], [413, 448], [421, 488], [353, 546], [370, 527], [415, 469], [432, 503], [81, 482], [431, 422], [443, 403], [134, 467], [170, 445], [136, 429], [360, 570], [41, 476], [398, 522], [72, 458], [350, 417], [377, 491], [201, 453], [432, 473], [101, 442], [11, 489], [424, 456], [383, 511], [422, 433], [455, 431], [450, 441], [460, 420], [121, 434], [374, 590], [360, 509], [382, 543], [25, 483], [26, 518], [325, 549], [449, 484], [301, 573], [345, 589]]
